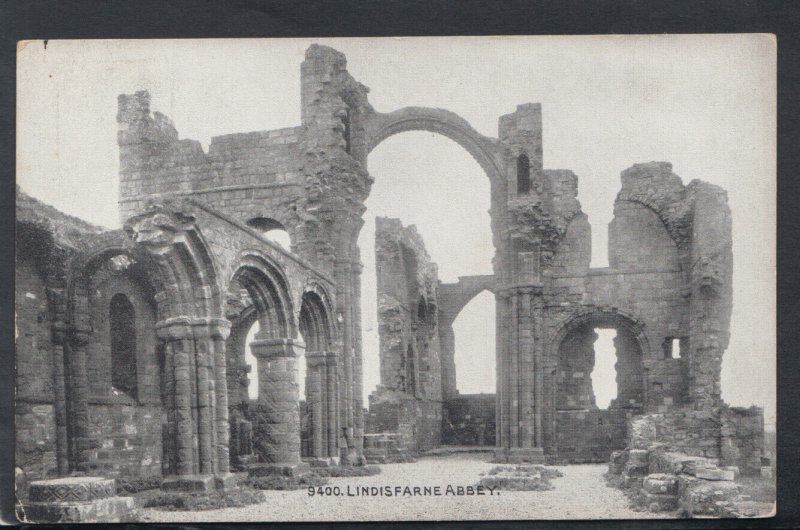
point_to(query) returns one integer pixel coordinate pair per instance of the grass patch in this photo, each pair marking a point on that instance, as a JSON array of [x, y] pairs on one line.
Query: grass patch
[[520, 478], [279, 482], [347, 471], [179, 502]]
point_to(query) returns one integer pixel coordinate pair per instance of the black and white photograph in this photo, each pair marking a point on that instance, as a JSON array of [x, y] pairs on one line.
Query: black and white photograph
[[395, 279]]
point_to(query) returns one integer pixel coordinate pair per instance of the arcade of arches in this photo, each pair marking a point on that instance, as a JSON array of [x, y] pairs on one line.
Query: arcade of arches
[[131, 343]]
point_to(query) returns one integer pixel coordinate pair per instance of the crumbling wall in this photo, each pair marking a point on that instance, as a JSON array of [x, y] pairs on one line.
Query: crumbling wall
[[409, 398], [407, 311], [469, 419]]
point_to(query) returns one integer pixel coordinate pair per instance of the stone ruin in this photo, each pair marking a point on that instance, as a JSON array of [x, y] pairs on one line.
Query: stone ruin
[[131, 342]]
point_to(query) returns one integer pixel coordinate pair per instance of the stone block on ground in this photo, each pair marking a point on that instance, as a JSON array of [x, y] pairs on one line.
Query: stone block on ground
[[76, 500], [714, 473], [657, 502], [700, 497], [661, 484]]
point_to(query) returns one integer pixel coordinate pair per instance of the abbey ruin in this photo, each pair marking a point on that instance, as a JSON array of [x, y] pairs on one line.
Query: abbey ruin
[[131, 342]]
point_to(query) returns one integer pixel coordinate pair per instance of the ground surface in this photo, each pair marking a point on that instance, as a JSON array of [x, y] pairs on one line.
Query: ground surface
[[580, 494]]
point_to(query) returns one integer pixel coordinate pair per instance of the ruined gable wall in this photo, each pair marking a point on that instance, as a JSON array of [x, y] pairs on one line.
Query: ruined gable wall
[[409, 399], [661, 232]]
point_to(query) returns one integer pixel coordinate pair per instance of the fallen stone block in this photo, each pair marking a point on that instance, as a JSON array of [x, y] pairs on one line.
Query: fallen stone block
[[76, 500], [661, 484], [714, 473], [699, 497], [657, 502]]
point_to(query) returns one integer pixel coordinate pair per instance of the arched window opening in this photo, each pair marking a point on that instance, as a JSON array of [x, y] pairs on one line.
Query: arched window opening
[[123, 345], [251, 361], [604, 374], [272, 230], [474, 352], [523, 174]]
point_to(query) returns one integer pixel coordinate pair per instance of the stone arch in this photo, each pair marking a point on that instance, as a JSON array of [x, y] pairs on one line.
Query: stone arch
[[315, 321], [268, 288], [380, 126], [599, 317], [574, 429]]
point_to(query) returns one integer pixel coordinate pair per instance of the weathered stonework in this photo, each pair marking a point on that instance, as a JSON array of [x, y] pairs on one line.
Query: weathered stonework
[[130, 343]]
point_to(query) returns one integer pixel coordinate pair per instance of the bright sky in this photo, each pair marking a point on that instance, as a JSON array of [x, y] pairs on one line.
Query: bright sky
[[704, 103]]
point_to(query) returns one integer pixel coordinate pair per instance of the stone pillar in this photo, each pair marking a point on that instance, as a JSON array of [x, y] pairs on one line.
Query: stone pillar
[[358, 366], [315, 401], [332, 393], [343, 279], [205, 401], [447, 346], [278, 399], [78, 384], [179, 350], [219, 331]]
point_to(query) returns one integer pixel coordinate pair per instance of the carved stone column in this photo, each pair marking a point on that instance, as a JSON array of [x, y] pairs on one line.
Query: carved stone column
[[332, 382], [315, 401], [278, 422]]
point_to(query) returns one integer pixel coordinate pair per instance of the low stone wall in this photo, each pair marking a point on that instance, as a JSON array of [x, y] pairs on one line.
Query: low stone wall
[[590, 435], [128, 439], [692, 432], [417, 422], [469, 420], [688, 461]]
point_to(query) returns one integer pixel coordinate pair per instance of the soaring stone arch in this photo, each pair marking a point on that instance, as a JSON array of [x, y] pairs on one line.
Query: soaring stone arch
[[379, 126]]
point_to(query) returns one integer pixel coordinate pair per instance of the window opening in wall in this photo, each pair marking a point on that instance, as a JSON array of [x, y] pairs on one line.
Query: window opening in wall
[[673, 348], [604, 374], [251, 361], [272, 230], [523, 174], [123, 345]]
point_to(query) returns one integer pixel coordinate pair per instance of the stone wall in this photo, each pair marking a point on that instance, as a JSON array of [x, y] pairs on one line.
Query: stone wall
[[417, 422], [469, 419], [742, 439]]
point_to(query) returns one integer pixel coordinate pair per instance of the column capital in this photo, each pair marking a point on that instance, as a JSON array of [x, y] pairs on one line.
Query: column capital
[[271, 348]]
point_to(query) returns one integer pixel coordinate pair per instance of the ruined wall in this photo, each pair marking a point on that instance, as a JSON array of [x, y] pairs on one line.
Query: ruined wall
[[409, 338], [648, 294], [35, 422], [469, 419], [407, 311]]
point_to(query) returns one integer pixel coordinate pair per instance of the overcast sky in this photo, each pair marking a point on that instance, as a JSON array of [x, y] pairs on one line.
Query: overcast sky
[[704, 103]]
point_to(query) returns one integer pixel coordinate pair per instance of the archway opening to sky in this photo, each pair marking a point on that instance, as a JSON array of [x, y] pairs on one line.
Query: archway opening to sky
[[475, 359], [429, 181], [604, 374]]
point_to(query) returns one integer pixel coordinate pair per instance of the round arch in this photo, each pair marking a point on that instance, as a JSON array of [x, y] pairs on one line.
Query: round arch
[[379, 127], [268, 288]]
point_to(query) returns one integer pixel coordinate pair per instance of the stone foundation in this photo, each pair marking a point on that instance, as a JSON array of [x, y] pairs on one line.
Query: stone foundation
[[76, 500]]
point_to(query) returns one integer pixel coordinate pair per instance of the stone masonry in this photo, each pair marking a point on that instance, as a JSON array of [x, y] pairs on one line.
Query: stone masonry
[[130, 342]]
